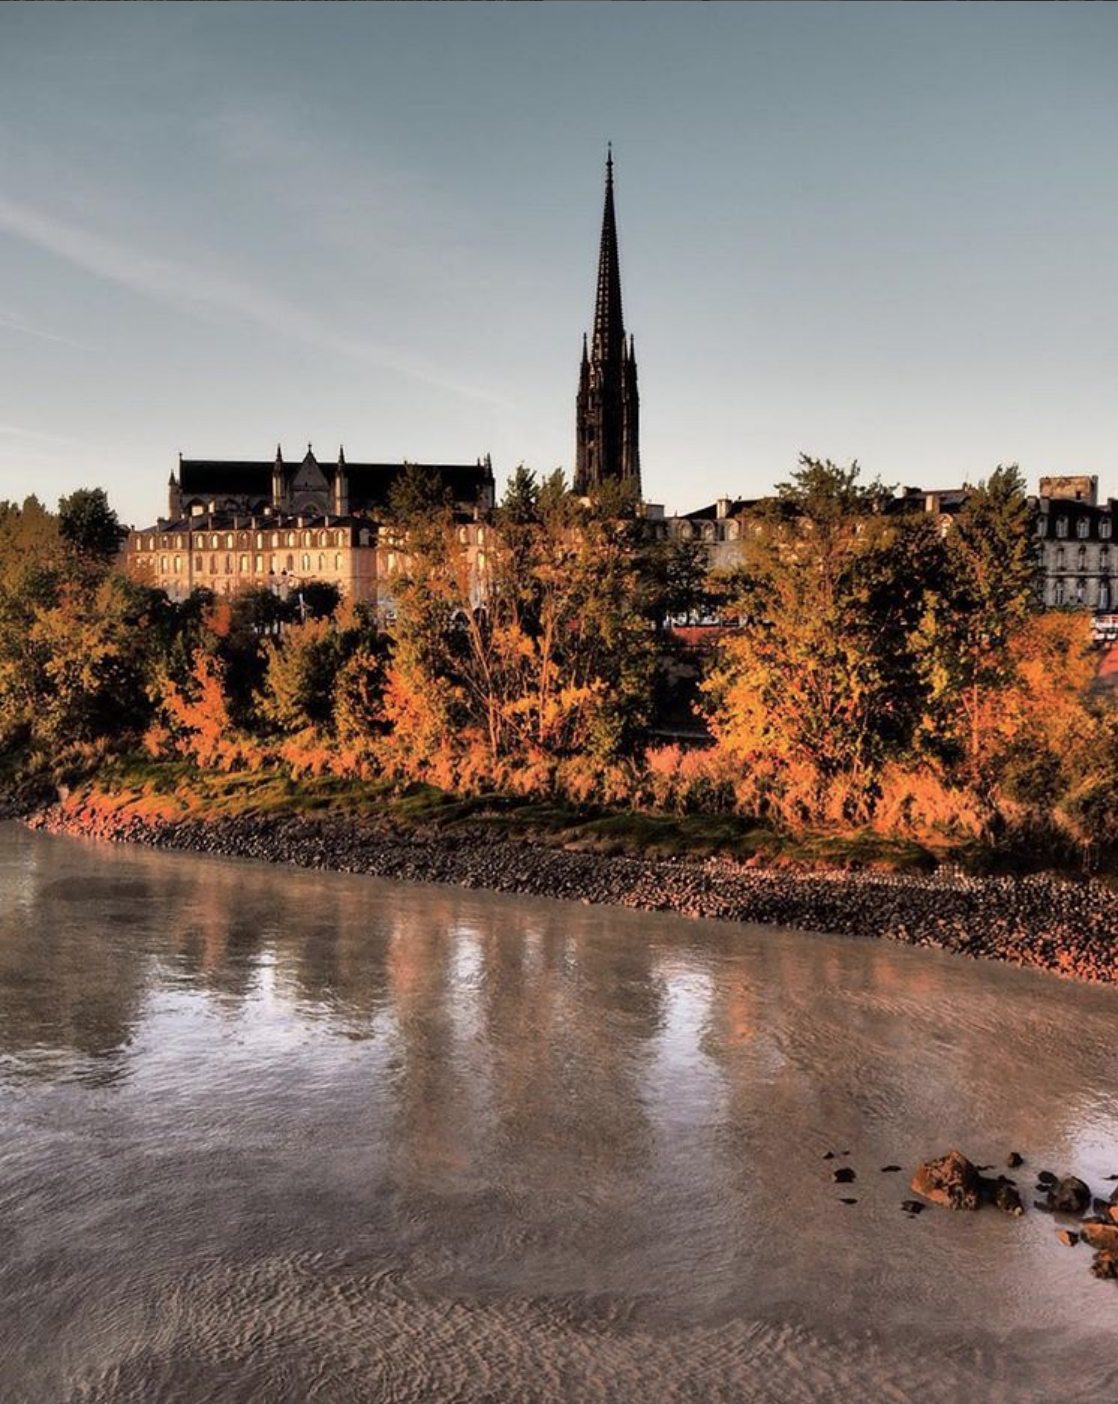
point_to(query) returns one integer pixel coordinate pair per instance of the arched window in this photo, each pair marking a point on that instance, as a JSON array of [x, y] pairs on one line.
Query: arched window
[[1104, 594], [324, 538], [304, 562], [228, 540], [275, 538], [290, 564], [338, 561], [1059, 558], [1080, 591], [291, 538], [213, 542], [244, 565], [1104, 528], [259, 540], [306, 538], [260, 565], [163, 565], [1081, 558], [1061, 526], [178, 543], [321, 561], [178, 565]]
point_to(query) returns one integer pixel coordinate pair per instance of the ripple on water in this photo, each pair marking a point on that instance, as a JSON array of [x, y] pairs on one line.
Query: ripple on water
[[309, 1329]]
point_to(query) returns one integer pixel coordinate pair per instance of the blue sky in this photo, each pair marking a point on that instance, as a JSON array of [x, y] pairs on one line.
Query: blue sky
[[887, 232]]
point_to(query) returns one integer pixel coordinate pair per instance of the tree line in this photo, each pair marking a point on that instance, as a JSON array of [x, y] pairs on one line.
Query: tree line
[[876, 671]]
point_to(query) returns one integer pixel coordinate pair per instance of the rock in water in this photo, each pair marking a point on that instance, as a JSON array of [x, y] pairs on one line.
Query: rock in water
[[1008, 1200], [1105, 1264], [844, 1175], [1099, 1235], [1071, 1196], [1015, 1160], [1068, 1237], [951, 1181]]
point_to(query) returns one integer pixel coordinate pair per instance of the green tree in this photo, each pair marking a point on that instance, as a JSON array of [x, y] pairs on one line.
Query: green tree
[[90, 527], [987, 590]]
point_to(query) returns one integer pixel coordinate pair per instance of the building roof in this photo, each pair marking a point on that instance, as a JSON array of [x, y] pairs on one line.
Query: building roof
[[369, 484]]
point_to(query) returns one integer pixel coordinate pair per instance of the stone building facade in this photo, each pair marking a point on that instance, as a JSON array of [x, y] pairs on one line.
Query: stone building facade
[[234, 524], [1075, 533]]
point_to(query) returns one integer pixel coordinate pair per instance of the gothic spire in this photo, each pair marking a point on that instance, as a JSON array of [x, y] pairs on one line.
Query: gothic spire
[[609, 330], [607, 404]]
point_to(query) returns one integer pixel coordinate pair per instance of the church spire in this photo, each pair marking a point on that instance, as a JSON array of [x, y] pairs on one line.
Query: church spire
[[607, 406], [609, 329]]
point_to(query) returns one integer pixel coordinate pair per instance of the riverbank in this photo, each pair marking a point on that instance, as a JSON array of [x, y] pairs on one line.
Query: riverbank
[[1068, 928]]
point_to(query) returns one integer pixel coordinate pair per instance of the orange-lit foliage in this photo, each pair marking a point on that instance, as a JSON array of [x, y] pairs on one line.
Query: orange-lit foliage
[[195, 719]]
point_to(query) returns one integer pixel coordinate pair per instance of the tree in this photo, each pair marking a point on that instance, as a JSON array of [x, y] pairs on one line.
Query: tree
[[987, 591], [816, 685], [90, 526]]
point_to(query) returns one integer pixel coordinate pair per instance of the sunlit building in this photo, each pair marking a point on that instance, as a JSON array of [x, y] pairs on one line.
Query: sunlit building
[[233, 524]]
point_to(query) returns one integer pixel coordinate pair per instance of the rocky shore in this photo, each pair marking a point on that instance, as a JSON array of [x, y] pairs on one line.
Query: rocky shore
[[1069, 928]]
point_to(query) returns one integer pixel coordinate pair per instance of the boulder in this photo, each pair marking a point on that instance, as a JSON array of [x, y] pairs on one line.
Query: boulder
[[950, 1180], [1071, 1196], [1014, 1160], [843, 1176], [1105, 1264], [1009, 1201], [1099, 1235]]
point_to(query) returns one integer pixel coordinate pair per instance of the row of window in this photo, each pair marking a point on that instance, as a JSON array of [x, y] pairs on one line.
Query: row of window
[[244, 538], [258, 566], [1081, 558], [1082, 527], [1076, 592]]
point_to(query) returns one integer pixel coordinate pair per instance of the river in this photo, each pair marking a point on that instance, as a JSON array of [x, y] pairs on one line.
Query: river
[[270, 1135]]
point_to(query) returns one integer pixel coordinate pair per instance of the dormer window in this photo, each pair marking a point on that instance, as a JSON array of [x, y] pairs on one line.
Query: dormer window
[[1061, 526], [1082, 527], [1104, 528]]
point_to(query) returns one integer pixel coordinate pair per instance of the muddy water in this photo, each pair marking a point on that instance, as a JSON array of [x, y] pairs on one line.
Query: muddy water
[[281, 1136]]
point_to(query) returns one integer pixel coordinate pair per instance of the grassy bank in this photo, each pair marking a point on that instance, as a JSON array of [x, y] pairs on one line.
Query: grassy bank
[[170, 791]]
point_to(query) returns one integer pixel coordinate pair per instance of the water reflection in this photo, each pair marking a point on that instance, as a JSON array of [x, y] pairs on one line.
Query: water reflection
[[312, 1081]]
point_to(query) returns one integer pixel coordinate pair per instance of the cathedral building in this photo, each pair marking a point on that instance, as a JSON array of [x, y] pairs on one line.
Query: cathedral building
[[607, 435], [236, 523]]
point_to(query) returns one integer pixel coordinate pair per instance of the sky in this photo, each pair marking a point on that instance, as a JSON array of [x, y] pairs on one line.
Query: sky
[[859, 231]]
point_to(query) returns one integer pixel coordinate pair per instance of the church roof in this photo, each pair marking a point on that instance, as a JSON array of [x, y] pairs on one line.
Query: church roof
[[369, 483]]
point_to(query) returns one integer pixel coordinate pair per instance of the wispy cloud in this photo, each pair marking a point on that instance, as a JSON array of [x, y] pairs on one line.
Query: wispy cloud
[[38, 436], [10, 322], [194, 289]]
